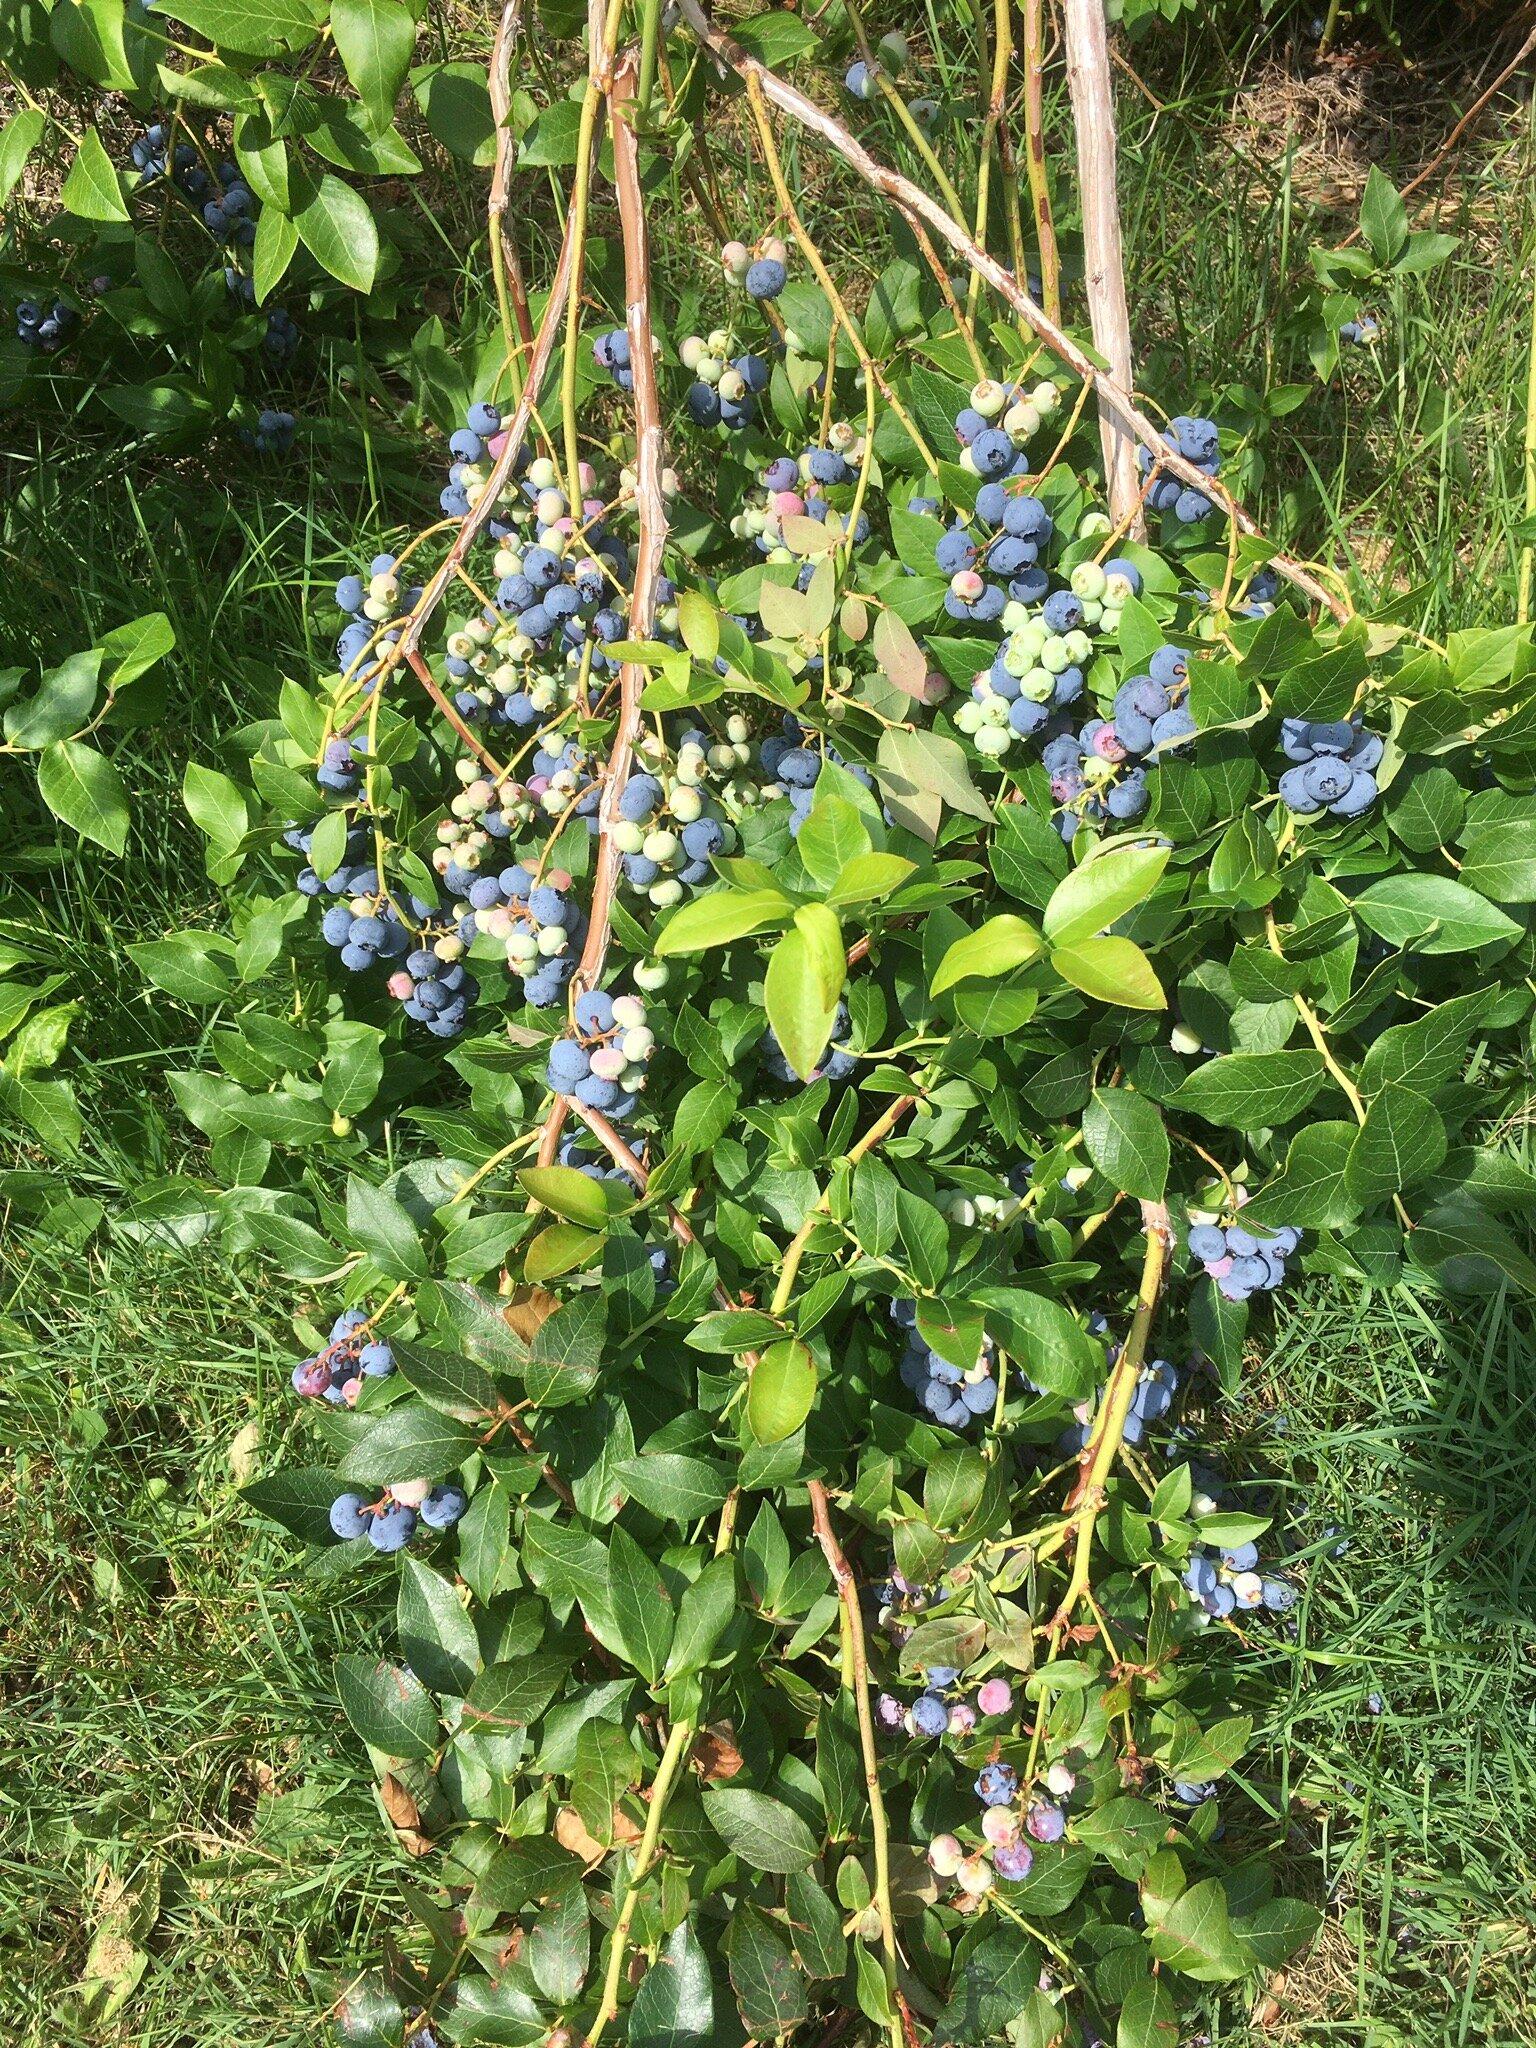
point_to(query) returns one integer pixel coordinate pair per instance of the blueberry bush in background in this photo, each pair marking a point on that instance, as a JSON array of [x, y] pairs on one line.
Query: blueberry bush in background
[[783, 1005]]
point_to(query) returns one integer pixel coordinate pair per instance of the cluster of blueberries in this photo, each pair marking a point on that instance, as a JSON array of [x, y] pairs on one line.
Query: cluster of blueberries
[[1228, 1578], [890, 59], [390, 1522], [1152, 1398], [791, 768], [1335, 767], [537, 919], [762, 273], [369, 604], [368, 927], [1242, 1261], [1101, 770], [228, 209], [1199, 442], [795, 487], [1361, 331], [430, 982], [603, 1065], [724, 387], [272, 433], [46, 328], [944, 1392], [353, 1353], [562, 590], [669, 836]]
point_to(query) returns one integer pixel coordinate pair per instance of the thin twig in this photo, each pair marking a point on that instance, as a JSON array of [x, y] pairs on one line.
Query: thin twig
[[651, 518]]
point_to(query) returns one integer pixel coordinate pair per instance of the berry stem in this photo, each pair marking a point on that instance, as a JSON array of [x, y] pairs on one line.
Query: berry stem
[[853, 1624], [1034, 158], [877, 1133], [1108, 1432]]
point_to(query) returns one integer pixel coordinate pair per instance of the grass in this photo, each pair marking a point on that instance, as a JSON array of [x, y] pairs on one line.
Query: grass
[[190, 1846]]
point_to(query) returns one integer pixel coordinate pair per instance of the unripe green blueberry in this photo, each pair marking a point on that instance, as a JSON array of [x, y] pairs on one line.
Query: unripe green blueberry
[[994, 741], [1038, 685], [1093, 525], [449, 948], [1184, 1041], [552, 941], [1055, 654], [666, 892], [687, 804], [1089, 580], [542, 473], [627, 836], [1079, 647], [652, 974], [638, 1044], [628, 1012], [969, 716]]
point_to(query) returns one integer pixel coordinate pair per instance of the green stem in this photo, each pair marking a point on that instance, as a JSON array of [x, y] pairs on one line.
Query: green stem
[[1528, 552]]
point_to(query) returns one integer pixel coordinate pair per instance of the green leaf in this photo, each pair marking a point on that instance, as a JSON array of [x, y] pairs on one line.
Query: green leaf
[[453, 1386], [1432, 914], [1149, 2018], [435, 1632], [1249, 1091], [85, 791], [1383, 218], [560, 1946], [920, 773], [18, 138], [382, 1228], [354, 1065], [1402, 1139], [568, 1192], [565, 1357], [375, 40], [1126, 1141], [457, 106], [408, 1443], [128, 650], [1112, 970], [991, 1984], [703, 1615], [299, 1497], [1058, 1353], [770, 1989], [253, 28], [339, 231], [1427, 1051], [276, 245], [797, 1005], [674, 1486], [996, 947], [1124, 1832], [215, 805], [506, 1698], [722, 915], [764, 1833], [61, 705], [675, 2005], [780, 1391], [1194, 1936], [91, 191], [1500, 861], [640, 1604], [388, 1705], [1312, 1191], [1101, 890]]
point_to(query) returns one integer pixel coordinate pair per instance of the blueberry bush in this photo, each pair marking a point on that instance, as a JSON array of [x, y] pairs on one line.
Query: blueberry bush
[[785, 1001]]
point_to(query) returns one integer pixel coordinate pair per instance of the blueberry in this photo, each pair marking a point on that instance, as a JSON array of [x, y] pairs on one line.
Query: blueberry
[[349, 1516]]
